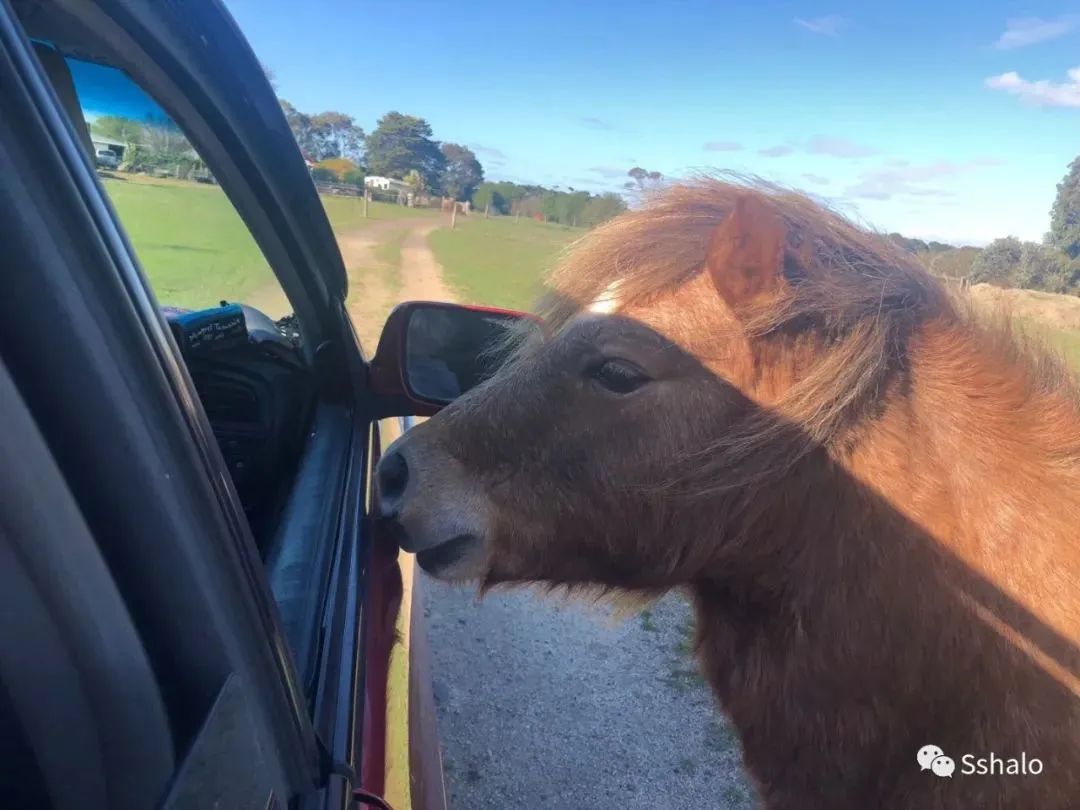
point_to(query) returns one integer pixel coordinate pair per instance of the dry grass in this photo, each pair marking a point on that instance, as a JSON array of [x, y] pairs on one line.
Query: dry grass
[[1052, 318], [1056, 311]]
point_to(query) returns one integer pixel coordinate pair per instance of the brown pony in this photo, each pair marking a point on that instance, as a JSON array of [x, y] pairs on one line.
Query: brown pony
[[871, 497]]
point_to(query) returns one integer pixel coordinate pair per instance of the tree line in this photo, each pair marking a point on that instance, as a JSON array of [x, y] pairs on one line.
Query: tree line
[[1052, 265], [403, 147]]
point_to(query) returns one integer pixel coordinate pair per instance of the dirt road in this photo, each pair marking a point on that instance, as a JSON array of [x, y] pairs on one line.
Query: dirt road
[[549, 704]]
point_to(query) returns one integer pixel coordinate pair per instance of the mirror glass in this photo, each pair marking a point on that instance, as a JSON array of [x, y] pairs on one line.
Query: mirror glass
[[449, 349]]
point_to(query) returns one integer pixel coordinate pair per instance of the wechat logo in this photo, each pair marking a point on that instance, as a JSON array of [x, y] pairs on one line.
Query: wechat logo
[[932, 758]]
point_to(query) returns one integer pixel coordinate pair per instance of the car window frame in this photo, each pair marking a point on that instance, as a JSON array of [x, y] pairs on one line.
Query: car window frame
[[78, 199]]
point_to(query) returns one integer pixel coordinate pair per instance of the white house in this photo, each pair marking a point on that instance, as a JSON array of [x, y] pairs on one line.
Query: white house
[[387, 184]]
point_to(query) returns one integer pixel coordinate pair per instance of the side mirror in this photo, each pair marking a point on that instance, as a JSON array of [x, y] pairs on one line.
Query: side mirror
[[431, 353]]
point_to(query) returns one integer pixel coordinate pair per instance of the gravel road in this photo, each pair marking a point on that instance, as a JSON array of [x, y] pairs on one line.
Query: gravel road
[[544, 703]]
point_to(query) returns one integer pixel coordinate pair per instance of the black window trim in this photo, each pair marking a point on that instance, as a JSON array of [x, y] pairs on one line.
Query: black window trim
[[99, 216]]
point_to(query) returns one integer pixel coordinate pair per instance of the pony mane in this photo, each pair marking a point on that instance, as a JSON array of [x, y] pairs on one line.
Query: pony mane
[[859, 293], [839, 273]]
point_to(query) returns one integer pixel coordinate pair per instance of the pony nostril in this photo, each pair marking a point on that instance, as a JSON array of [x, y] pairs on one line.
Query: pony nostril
[[393, 475]]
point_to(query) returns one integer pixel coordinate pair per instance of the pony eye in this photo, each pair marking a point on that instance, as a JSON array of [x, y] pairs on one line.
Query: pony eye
[[620, 376]]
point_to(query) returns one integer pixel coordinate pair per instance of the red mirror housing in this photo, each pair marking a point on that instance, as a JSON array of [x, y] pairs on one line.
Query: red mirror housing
[[431, 352]]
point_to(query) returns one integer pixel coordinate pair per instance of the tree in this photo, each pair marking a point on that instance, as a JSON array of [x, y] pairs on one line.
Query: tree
[[643, 178], [487, 197], [527, 206], [998, 263], [354, 177], [321, 174], [335, 134], [601, 209], [415, 181], [403, 142], [909, 244], [1039, 264], [118, 128], [463, 172], [300, 124], [338, 165], [1065, 215]]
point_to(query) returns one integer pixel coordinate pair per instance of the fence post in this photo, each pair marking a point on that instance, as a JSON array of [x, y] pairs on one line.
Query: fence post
[[453, 217], [367, 196]]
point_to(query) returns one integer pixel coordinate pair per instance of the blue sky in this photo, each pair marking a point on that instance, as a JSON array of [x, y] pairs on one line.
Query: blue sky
[[940, 120]]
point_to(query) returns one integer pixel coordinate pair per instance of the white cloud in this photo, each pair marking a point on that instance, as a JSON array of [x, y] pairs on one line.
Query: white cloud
[[817, 179], [818, 145], [488, 151], [892, 181], [830, 25], [608, 171], [1042, 93], [1024, 31], [838, 147], [722, 146]]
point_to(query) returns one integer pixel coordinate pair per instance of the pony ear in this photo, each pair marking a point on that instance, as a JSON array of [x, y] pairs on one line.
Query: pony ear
[[746, 251]]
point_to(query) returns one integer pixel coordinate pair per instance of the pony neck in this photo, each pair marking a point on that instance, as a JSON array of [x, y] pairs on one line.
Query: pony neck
[[982, 454], [928, 580]]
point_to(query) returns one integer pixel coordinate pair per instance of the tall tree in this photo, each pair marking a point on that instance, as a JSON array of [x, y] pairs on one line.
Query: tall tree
[[118, 128], [643, 178], [463, 172], [302, 130], [601, 209], [403, 142], [336, 135], [1065, 215], [999, 263]]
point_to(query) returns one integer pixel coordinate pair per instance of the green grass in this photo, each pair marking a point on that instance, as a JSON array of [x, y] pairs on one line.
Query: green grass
[[194, 247], [1062, 340], [347, 213], [1068, 343], [498, 261]]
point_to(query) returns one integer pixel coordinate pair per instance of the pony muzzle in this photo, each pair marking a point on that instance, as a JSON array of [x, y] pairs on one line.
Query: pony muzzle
[[430, 508]]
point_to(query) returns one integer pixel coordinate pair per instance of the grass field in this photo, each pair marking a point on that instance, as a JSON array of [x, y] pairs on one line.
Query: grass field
[[498, 261], [1063, 340], [347, 213], [1042, 315], [197, 251], [192, 244]]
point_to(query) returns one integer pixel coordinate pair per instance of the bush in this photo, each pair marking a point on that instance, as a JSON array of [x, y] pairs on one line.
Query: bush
[[338, 165], [354, 177], [321, 174]]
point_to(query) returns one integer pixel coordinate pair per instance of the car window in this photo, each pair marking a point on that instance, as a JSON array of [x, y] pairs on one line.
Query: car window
[[227, 311], [194, 248]]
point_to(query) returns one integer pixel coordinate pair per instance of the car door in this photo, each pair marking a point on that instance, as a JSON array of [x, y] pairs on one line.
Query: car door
[[271, 681]]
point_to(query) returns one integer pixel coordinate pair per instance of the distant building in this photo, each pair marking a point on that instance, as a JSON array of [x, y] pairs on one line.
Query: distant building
[[387, 184]]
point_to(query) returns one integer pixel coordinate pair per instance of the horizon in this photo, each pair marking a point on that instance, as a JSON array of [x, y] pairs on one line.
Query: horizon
[[948, 124]]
